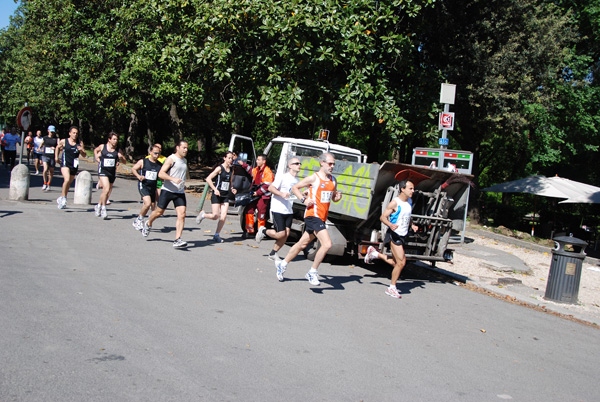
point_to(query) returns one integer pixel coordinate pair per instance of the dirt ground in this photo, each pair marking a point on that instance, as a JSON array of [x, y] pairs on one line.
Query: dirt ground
[[539, 262]]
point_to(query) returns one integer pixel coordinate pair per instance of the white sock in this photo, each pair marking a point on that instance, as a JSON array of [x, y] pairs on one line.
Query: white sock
[[375, 254], [312, 271], [393, 287]]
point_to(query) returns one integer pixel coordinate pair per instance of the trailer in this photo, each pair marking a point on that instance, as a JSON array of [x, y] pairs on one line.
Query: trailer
[[439, 201]]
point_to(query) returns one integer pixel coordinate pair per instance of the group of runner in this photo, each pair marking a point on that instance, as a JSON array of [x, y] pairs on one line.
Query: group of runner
[[315, 191]]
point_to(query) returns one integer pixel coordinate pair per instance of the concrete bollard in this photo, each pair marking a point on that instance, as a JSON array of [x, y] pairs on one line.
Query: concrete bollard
[[83, 188], [19, 183]]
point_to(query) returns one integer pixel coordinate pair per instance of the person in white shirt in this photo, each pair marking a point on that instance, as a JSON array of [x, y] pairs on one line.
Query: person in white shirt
[[397, 218], [281, 207]]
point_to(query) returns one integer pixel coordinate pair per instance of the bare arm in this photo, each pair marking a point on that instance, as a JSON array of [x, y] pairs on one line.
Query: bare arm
[[137, 167], [59, 147], [97, 152], [209, 180], [81, 149], [385, 216], [163, 175], [307, 181]]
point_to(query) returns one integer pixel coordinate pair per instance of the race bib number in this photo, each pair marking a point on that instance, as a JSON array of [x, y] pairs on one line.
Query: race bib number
[[326, 196], [49, 150], [76, 162], [109, 163], [150, 175], [224, 186]]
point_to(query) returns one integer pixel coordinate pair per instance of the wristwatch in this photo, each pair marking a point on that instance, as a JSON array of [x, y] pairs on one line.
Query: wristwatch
[[303, 199]]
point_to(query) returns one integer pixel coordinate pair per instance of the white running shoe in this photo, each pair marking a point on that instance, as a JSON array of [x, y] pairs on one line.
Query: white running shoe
[[44, 187], [146, 229], [281, 267], [62, 202], [97, 209], [260, 235], [103, 213], [108, 202], [393, 292], [178, 243], [138, 223], [370, 256], [200, 217], [47, 187], [313, 279], [274, 257]]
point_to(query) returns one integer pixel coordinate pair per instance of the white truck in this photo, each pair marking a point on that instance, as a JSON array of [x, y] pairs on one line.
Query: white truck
[[439, 201]]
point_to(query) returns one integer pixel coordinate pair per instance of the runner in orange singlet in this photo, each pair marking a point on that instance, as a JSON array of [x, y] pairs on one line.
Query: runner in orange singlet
[[322, 190]]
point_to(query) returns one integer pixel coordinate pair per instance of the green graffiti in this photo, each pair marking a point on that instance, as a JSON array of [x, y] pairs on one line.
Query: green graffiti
[[355, 186]]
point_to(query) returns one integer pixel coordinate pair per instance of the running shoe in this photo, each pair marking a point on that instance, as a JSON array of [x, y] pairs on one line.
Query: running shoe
[[281, 267], [47, 187], [370, 256], [200, 217], [103, 213], [36, 173], [274, 257], [393, 292], [138, 223], [146, 229], [44, 187], [178, 243], [108, 202], [97, 210], [260, 235], [62, 202], [313, 279], [217, 238]]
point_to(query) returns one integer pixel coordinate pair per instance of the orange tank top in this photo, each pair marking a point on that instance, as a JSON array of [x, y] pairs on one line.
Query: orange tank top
[[321, 192]]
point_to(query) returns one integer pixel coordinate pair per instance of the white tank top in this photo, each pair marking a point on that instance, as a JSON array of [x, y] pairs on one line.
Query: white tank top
[[178, 170], [401, 216]]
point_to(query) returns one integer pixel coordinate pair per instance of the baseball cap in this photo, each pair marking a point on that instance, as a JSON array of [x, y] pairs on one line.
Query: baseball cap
[[52, 128]]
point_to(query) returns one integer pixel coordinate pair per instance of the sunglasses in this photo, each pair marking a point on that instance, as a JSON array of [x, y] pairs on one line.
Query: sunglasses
[[155, 153], [330, 163], [295, 163]]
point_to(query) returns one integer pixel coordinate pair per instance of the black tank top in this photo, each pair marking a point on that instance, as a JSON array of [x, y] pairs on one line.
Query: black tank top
[[224, 181], [150, 172], [49, 145], [70, 156], [108, 159]]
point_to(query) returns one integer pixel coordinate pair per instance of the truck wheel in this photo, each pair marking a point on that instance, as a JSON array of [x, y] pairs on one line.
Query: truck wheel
[[311, 250]]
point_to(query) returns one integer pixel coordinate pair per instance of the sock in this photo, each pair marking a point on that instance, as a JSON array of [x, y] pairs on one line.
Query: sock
[[393, 287], [376, 254], [312, 271], [273, 252]]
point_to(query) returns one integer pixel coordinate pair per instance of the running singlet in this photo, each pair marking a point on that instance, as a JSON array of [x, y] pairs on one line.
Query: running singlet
[[401, 216], [223, 182], [320, 192], [49, 145], [178, 170], [108, 160], [70, 156], [37, 141], [284, 184], [150, 172]]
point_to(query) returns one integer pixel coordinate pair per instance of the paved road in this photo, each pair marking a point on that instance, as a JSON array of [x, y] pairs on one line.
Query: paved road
[[91, 311]]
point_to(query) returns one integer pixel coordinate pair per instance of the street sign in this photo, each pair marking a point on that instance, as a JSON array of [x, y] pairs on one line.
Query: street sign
[[446, 121], [444, 141], [24, 118]]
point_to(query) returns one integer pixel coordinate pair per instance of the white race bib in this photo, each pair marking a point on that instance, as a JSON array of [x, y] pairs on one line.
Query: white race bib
[[150, 175], [109, 163], [49, 150], [224, 186], [326, 197]]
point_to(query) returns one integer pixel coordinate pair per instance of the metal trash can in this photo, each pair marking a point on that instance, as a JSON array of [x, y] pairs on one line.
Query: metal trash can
[[565, 269]]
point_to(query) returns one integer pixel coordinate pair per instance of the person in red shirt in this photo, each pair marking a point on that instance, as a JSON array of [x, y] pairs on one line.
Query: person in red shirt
[[262, 177]]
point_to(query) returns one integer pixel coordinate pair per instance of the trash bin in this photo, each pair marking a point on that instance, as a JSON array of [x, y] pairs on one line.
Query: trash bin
[[565, 269]]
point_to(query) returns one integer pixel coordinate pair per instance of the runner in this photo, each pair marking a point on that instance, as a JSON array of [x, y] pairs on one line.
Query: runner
[[107, 155], [220, 196], [161, 159], [48, 146], [397, 217], [37, 151], [281, 207], [173, 175], [72, 148], [149, 166], [29, 143], [11, 141], [322, 189]]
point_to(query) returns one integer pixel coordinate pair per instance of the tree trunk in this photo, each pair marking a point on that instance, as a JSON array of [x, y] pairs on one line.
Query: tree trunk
[[131, 136], [176, 123]]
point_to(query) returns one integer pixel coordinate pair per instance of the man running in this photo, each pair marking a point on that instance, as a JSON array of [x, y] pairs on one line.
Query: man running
[[148, 177], [29, 145], [48, 148], [108, 156], [71, 149], [37, 150], [322, 189], [173, 174], [397, 218], [281, 207]]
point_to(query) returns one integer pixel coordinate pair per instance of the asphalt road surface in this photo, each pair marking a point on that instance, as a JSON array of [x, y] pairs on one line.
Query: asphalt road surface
[[92, 311]]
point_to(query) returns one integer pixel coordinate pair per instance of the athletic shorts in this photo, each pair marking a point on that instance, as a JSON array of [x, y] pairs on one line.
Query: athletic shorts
[[167, 196], [112, 175], [147, 191], [216, 199], [72, 170], [313, 225], [49, 160], [282, 221], [391, 236], [37, 156]]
